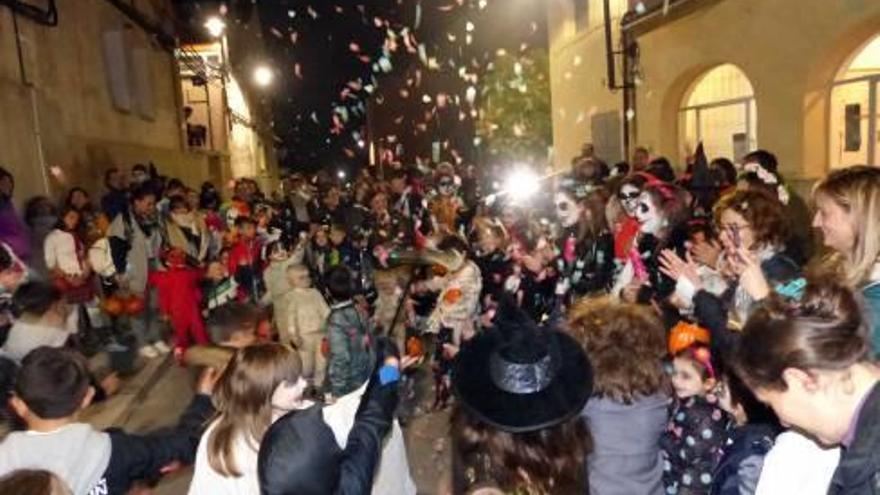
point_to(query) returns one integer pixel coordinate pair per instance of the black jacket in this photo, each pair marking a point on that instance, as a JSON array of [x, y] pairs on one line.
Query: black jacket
[[859, 470], [299, 454], [740, 466], [136, 457]]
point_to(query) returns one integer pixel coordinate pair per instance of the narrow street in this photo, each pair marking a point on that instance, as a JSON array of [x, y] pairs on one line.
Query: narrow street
[[154, 398]]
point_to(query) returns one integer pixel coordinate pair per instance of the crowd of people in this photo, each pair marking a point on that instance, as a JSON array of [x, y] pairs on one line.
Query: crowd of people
[[646, 331]]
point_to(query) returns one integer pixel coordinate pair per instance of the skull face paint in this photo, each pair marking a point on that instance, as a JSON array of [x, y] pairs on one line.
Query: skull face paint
[[446, 186], [629, 198], [568, 211], [648, 214]]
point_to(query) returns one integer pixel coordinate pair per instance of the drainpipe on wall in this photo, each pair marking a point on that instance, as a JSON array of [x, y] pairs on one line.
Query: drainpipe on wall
[[626, 82], [631, 27], [32, 91]]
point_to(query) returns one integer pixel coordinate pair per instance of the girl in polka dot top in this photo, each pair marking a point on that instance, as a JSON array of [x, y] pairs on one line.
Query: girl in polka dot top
[[696, 432]]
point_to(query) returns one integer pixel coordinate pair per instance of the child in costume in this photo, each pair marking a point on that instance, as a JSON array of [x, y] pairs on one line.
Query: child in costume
[[446, 207], [245, 264], [276, 279], [585, 247], [660, 212], [453, 319], [180, 299], [697, 428], [305, 328]]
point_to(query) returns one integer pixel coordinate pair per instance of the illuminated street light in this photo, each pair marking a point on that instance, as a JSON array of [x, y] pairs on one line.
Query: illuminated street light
[[263, 76], [341, 174], [215, 26]]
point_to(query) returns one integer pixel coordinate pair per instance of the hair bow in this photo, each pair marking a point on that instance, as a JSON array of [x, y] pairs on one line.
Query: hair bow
[[794, 289]]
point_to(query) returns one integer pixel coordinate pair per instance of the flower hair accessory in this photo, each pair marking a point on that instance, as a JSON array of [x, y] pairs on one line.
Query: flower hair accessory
[[702, 355], [768, 178]]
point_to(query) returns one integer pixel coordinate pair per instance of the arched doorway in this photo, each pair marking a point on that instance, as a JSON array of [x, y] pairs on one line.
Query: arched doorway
[[719, 111], [853, 130]]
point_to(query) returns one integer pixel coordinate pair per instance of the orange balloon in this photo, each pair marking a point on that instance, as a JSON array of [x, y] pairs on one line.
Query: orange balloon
[[113, 306], [684, 335], [452, 296], [414, 347], [134, 305]]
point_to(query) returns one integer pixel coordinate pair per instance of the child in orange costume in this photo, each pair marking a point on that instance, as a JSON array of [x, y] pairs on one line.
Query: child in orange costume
[[180, 299]]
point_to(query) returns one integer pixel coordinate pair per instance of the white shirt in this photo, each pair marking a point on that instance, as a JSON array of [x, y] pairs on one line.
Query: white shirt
[[206, 481], [60, 253], [796, 465], [392, 475]]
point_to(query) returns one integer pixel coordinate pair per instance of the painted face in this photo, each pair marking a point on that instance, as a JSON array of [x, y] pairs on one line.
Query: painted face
[[288, 396], [446, 185], [629, 198], [648, 215], [568, 211]]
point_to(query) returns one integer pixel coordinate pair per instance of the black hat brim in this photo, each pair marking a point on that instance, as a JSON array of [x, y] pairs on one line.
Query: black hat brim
[[563, 399]]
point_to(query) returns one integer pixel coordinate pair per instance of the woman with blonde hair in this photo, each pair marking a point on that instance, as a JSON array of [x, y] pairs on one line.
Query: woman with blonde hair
[[260, 384], [848, 214], [627, 413]]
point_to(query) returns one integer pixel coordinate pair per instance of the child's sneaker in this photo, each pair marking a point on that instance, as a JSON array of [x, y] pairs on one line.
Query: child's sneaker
[[161, 347], [148, 352]]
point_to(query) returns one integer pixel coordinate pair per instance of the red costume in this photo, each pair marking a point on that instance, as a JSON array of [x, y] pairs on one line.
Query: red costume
[[180, 299], [624, 235], [246, 267]]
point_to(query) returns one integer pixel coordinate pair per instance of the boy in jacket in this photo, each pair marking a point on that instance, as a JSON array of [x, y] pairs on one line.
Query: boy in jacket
[[349, 335], [51, 388]]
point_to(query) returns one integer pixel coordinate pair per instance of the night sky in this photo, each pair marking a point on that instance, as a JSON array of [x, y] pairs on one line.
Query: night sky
[[337, 60]]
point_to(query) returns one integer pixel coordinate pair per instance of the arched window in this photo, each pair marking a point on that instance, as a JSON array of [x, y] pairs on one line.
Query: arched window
[[719, 111], [854, 109]]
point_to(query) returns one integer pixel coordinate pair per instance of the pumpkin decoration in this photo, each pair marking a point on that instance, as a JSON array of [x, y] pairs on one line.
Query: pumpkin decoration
[[113, 306], [684, 335], [452, 296], [134, 305], [414, 347]]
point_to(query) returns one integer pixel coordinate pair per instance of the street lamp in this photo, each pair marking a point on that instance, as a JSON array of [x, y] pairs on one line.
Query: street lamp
[[215, 26], [263, 76]]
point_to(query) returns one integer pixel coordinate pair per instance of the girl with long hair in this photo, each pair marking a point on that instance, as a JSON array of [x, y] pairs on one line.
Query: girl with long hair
[[848, 214], [261, 383]]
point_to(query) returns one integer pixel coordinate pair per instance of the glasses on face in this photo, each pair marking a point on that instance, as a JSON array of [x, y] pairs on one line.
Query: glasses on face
[[628, 197]]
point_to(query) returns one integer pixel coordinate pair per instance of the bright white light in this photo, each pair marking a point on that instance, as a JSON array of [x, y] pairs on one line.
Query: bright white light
[[215, 26], [263, 76], [361, 143], [522, 184], [341, 174]]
